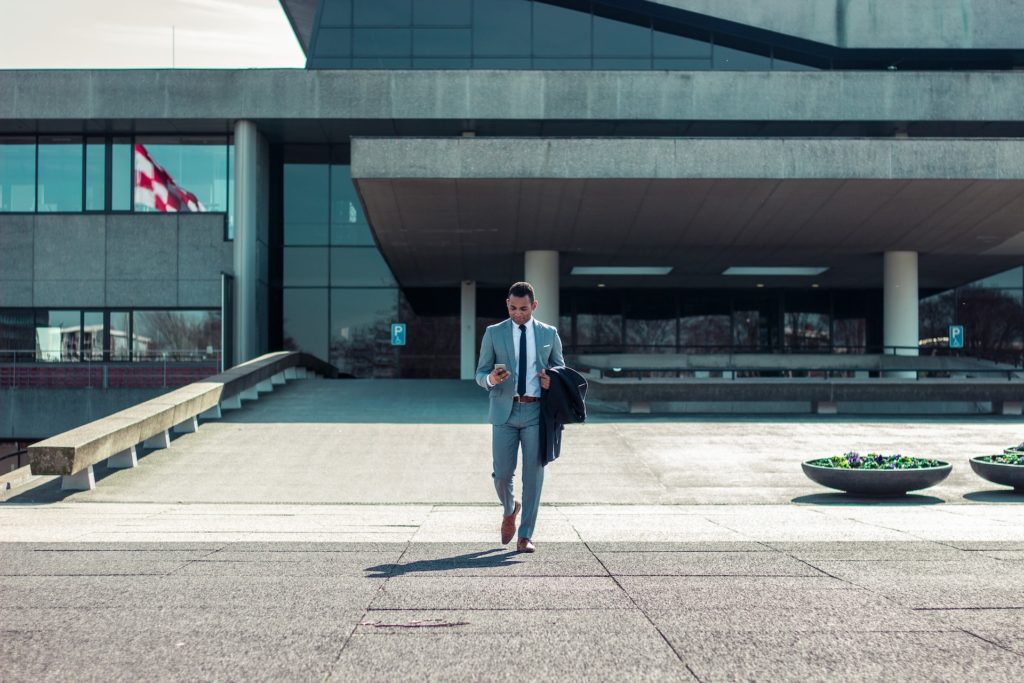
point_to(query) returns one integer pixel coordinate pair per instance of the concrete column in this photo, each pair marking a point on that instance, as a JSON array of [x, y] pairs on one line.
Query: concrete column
[[246, 235], [900, 306], [541, 271], [467, 330]]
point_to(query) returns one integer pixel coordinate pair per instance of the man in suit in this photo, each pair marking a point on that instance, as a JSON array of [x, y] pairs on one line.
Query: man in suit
[[514, 355]]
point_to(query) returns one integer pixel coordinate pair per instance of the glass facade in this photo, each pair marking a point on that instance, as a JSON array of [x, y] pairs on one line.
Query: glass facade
[[338, 296], [46, 335], [72, 174], [521, 34]]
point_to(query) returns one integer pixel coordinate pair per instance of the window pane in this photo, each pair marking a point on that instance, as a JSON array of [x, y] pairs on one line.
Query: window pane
[[95, 176], [60, 174], [361, 331], [337, 13], [193, 171], [993, 321], [17, 333], [614, 38], [382, 63], [359, 267], [121, 176], [383, 12], [667, 44], [17, 174], [92, 336], [682, 64], [622, 64], [434, 42], [119, 335], [502, 62], [442, 63], [176, 335], [334, 42], [729, 59], [501, 27], [305, 321], [558, 63], [348, 224], [305, 266], [381, 42], [651, 322], [1008, 279], [231, 192], [704, 325], [305, 203], [559, 32], [441, 12], [57, 338]]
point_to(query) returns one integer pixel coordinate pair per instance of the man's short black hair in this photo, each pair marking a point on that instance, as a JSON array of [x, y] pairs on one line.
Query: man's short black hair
[[522, 289]]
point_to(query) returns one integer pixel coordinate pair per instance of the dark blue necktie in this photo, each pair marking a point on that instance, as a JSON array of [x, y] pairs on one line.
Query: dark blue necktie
[[521, 383]]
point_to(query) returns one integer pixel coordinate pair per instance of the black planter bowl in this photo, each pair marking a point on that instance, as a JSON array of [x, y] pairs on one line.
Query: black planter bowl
[[877, 482], [1000, 473]]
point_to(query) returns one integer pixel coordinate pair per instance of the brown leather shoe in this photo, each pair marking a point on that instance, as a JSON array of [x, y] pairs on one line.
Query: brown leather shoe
[[508, 525], [525, 545]]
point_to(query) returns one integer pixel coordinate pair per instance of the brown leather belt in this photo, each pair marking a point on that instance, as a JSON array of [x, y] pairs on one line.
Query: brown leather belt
[[525, 399]]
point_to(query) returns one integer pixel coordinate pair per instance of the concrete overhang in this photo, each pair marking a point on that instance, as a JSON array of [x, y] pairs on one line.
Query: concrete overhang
[[149, 99], [873, 24], [445, 210]]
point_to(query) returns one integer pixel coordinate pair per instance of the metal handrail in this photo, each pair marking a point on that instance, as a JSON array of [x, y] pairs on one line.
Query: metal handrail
[[151, 360], [828, 372]]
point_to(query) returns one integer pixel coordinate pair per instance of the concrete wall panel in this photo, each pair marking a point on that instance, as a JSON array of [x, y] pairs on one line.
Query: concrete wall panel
[[202, 250], [141, 247], [68, 293], [16, 251], [199, 293], [142, 293], [69, 247], [16, 293]]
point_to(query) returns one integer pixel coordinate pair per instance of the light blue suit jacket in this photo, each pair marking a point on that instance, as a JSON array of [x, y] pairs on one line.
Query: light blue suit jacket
[[496, 347]]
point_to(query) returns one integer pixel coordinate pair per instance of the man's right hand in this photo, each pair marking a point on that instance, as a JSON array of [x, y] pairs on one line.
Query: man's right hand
[[498, 375]]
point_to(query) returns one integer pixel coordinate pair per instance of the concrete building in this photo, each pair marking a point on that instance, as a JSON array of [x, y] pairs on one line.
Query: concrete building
[[676, 176]]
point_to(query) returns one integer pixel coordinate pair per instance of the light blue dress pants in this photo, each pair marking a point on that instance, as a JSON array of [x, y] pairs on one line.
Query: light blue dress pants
[[522, 428]]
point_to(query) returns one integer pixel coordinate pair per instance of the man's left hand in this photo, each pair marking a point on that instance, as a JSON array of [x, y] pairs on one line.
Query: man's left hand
[[545, 381]]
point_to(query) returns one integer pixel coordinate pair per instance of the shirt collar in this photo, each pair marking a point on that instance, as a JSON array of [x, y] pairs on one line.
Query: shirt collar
[[528, 323]]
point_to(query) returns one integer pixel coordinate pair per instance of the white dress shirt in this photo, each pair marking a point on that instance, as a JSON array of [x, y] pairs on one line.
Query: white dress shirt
[[532, 378]]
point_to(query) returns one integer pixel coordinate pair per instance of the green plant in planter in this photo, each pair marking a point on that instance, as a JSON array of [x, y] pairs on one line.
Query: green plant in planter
[[875, 461], [1014, 455]]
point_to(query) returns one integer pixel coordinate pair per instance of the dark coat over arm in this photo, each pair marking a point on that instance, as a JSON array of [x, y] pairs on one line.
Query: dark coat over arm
[[563, 403]]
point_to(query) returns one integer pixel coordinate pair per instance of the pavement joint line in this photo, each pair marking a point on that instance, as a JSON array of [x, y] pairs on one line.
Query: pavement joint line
[[994, 644], [641, 610], [366, 611]]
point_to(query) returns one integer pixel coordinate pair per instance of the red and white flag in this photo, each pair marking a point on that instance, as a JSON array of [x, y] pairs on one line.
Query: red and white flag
[[155, 188]]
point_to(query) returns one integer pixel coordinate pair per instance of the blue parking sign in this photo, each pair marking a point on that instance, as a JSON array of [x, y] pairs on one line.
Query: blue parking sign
[[956, 336], [398, 334]]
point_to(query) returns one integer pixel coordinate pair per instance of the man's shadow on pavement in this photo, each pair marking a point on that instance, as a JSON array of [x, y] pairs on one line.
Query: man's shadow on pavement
[[478, 560]]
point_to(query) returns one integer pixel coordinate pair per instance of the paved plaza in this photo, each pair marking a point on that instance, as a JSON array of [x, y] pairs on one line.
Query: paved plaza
[[347, 531]]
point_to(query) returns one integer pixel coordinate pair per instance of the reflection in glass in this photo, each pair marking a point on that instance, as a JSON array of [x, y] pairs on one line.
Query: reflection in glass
[[442, 42], [95, 175], [305, 321], [1009, 279], [348, 224], [334, 42], [17, 174], [121, 175], [120, 347], [175, 335], [993, 321], [359, 267], [807, 330], [198, 166], [361, 331], [58, 338], [305, 266], [730, 59], [651, 323], [305, 203], [431, 316], [849, 335], [92, 336]]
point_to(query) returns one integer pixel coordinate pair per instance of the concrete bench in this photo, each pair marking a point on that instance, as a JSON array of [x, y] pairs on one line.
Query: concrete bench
[[115, 438]]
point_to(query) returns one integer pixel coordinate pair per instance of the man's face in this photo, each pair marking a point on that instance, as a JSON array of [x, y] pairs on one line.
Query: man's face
[[520, 309]]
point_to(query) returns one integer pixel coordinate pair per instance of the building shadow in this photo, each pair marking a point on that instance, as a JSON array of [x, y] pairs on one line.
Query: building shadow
[[996, 496], [839, 498], [485, 559]]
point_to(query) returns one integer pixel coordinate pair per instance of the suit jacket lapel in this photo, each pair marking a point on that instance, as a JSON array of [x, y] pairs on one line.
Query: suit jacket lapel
[[509, 349]]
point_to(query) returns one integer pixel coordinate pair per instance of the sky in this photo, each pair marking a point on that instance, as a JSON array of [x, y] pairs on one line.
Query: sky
[[126, 34]]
